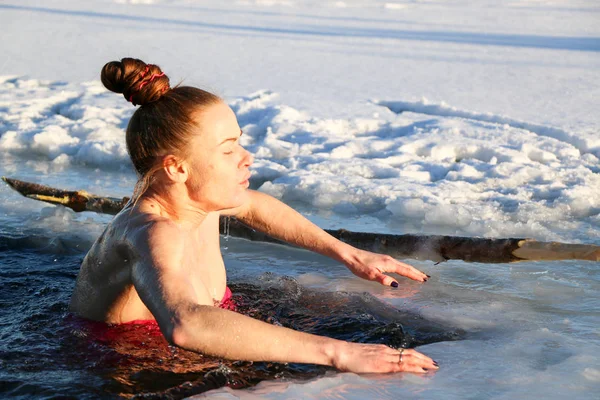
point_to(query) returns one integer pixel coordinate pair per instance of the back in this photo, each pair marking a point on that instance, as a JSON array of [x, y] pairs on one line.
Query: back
[[105, 285], [104, 288]]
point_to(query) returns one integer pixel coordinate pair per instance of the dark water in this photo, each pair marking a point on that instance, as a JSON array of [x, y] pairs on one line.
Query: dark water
[[47, 353]]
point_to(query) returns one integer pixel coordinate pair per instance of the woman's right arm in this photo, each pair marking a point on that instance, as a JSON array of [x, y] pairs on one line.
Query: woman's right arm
[[189, 320]]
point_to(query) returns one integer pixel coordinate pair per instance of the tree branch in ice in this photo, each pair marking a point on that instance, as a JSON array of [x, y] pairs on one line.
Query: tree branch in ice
[[422, 247]]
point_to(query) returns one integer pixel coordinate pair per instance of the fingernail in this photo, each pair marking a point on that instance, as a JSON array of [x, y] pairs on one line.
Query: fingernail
[[425, 369], [394, 284], [436, 364], [428, 276]]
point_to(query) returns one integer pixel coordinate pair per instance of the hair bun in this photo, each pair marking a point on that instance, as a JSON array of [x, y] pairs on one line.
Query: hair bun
[[140, 83]]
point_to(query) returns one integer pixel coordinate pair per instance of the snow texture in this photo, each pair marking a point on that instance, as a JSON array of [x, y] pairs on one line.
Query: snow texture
[[443, 117]]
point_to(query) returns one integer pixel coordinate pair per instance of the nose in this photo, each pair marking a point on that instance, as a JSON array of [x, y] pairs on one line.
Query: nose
[[248, 159]]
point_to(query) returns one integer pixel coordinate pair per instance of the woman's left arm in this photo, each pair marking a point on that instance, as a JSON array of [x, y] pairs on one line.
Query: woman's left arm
[[271, 216]]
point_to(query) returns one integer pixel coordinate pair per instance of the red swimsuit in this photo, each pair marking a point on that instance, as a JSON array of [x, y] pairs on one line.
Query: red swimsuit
[[226, 304], [109, 333]]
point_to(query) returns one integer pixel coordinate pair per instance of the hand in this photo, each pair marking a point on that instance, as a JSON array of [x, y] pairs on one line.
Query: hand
[[371, 266], [379, 358]]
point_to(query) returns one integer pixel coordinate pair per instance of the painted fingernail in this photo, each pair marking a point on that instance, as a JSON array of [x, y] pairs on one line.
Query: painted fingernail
[[428, 276], [394, 284], [436, 364], [425, 369]]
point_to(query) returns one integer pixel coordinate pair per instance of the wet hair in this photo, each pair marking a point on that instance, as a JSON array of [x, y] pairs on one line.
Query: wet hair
[[164, 122]]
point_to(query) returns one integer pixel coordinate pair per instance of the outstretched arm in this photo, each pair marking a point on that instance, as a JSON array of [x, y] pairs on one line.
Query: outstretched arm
[[269, 215], [187, 318]]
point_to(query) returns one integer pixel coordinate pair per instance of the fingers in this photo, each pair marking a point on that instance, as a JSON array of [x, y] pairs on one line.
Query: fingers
[[419, 356], [386, 280], [378, 358], [372, 266], [408, 271], [411, 272], [389, 281], [413, 361]]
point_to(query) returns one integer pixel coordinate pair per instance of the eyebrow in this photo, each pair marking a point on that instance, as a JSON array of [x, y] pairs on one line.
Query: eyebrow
[[232, 138]]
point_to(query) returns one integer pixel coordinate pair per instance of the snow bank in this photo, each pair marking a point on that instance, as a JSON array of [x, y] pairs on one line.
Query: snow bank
[[62, 123], [432, 167]]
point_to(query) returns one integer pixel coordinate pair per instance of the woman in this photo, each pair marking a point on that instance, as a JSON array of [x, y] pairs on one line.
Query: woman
[[159, 259]]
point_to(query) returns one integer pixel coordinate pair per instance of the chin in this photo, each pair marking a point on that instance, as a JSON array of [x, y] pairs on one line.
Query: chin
[[237, 200], [242, 197]]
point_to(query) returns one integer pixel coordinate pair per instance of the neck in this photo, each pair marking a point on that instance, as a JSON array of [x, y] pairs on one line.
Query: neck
[[174, 203]]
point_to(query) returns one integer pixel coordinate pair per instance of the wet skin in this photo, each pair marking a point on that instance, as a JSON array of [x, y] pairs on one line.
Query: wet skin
[[160, 259]]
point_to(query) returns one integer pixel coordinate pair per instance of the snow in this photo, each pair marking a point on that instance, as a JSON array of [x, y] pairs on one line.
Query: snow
[[434, 166], [444, 117]]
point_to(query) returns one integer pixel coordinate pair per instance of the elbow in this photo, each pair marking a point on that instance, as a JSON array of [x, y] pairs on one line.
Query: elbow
[[178, 336], [185, 331]]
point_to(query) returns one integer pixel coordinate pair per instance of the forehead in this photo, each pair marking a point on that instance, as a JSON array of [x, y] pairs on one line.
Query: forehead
[[217, 122]]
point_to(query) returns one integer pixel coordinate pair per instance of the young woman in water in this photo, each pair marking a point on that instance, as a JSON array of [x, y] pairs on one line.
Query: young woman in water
[[159, 259]]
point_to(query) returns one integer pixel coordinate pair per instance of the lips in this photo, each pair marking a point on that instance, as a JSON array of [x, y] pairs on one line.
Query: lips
[[245, 180]]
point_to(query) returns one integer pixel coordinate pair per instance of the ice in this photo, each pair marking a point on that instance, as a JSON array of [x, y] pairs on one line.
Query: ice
[[472, 175], [437, 117], [589, 143]]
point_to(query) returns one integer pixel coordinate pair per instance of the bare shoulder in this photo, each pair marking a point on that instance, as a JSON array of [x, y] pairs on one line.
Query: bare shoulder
[[157, 237], [155, 228]]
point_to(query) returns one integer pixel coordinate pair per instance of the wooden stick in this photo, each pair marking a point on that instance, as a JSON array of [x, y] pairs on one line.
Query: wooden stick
[[532, 250], [78, 201], [422, 247]]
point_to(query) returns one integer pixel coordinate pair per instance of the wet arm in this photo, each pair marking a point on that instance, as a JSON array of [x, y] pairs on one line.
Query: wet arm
[[271, 216], [188, 319]]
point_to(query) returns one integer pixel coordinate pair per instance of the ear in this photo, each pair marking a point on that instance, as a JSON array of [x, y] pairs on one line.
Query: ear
[[176, 170]]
